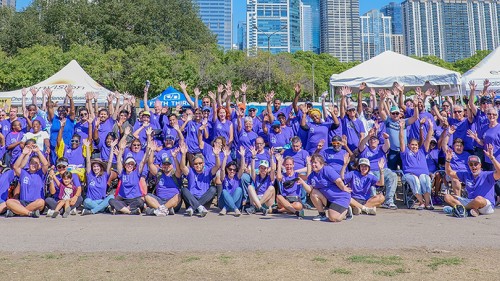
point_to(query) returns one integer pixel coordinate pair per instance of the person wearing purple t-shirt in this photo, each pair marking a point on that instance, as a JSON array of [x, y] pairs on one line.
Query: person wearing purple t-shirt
[[129, 195], [13, 142], [76, 200], [416, 172], [299, 156], [30, 191], [363, 197], [199, 192], [261, 192], [459, 160], [317, 130], [479, 184], [103, 125], [190, 129], [334, 156], [5, 179], [279, 135], [289, 197], [221, 126], [246, 135], [167, 198], [231, 196], [98, 176], [327, 189], [490, 136]]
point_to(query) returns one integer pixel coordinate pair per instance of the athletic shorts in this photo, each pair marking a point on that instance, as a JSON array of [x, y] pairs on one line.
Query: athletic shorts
[[486, 210], [292, 199], [360, 201], [161, 201], [336, 207], [25, 203]]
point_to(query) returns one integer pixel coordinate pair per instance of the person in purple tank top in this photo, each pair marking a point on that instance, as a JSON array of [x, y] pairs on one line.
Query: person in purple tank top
[[30, 192]]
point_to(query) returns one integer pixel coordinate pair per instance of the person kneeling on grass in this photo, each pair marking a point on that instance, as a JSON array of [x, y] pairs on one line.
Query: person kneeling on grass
[[132, 186], [168, 176], [361, 183], [480, 186], [261, 192], [328, 189], [290, 190], [30, 192], [232, 192], [98, 175]]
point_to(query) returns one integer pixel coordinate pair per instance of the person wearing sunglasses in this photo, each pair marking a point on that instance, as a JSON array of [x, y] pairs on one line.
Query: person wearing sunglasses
[[74, 152], [462, 125], [82, 126], [478, 183], [231, 194]]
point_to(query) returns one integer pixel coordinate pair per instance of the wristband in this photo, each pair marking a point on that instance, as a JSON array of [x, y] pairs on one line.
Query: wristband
[[448, 161]]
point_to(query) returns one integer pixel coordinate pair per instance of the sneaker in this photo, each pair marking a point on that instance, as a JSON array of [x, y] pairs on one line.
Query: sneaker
[[171, 211], [73, 212], [430, 207], [348, 215], [448, 210], [86, 212], [203, 211], [55, 214], [473, 212], [250, 210], [50, 212], [189, 212], [459, 211], [9, 214], [163, 209], [136, 211], [35, 214], [370, 211], [391, 206], [300, 215], [159, 213], [356, 211], [320, 218], [222, 212], [150, 211], [237, 213], [308, 207], [420, 207], [265, 211], [66, 212]]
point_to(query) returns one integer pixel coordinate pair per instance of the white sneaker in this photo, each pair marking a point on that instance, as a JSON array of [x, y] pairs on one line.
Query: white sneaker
[[50, 212], [164, 210], [73, 212], [370, 211], [189, 212], [203, 211], [159, 213]]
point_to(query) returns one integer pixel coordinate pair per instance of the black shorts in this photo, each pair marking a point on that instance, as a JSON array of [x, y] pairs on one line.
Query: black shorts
[[292, 199], [336, 207], [25, 203], [360, 201]]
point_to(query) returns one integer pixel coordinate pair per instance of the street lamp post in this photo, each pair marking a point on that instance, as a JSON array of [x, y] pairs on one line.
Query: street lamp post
[[268, 50]]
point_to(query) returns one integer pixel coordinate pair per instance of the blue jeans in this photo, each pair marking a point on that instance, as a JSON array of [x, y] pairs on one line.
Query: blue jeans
[[246, 180], [420, 184], [231, 202], [97, 206], [394, 161], [391, 184]]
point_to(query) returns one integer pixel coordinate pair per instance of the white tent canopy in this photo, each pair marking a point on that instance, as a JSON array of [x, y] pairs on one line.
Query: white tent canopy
[[72, 74], [389, 67], [488, 68]]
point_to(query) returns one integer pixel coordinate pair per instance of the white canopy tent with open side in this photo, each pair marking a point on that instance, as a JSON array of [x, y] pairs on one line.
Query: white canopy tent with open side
[[488, 68], [72, 74]]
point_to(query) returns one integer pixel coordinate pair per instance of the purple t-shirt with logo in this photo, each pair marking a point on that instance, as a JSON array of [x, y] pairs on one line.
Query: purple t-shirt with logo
[[199, 183], [324, 181], [361, 185], [295, 190], [483, 185], [352, 129], [230, 185], [5, 180], [31, 185], [461, 132], [414, 163], [221, 129], [262, 183], [459, 162], [74, 156], [105, 152], [492, 136], [129, 187], [316, 133], [246, 139], [334, 159], [97, 185], [299, 158], [191, 131], [374, 155], [105, 128], [82, 129], [166, 187], [11, 138]]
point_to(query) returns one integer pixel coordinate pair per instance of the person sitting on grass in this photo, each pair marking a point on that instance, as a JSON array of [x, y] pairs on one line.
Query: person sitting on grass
[[261, 192], [168, 176], [289, 197], [361, 181], [328, 189], [132, 187], [98, 175], [66, 191], [478, 183], [232, 192], [29, 194]]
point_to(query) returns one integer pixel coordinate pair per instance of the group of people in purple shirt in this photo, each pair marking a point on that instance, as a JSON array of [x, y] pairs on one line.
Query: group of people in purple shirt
[[342, 158]]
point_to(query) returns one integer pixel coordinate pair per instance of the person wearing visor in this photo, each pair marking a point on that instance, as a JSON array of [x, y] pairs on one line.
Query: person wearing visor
[[334, 156], [167, 196], [478, 183], [363, 196]]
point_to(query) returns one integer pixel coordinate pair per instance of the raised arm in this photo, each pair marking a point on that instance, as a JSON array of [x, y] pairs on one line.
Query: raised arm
[[489, 153], [362, 87], [296, 98], [381, 164], [241, 170], [119, 158], [344, 92], [415, 116], [50, 105], [88, 166], [430, 133], [182, 165], [216, 150], [183, 86], [21, 160], [279, 174], [472, 96], [447, 167], [69, 95], [402, 136], [145, 98], [252, 163]]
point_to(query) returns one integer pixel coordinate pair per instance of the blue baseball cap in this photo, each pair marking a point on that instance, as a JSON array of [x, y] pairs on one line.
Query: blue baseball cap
[[276, 124]]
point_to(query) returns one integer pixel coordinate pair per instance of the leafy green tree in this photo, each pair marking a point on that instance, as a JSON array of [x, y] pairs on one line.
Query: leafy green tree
[[466, 64]]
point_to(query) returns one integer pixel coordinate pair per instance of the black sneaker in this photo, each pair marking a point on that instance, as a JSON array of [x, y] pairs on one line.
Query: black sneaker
[[459, 211], [9, 214], [137, 211], [250, 210], [86, 212], [265, 211], [150, 211], [35, 214], [349, 215]]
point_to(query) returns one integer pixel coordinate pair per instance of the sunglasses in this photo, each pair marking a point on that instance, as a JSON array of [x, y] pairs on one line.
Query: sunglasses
[[84, 114], [231, 169], [473, 164], [394, 113], [75, 141], [136, 144], [491, 114], [457, 111], [61, 166], [253, 109]]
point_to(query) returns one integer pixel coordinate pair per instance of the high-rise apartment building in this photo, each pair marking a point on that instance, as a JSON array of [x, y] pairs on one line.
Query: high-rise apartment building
[[376, 35], [398, 44], [10, 3], [314, 4], [306, 31], [450, 29], [218, 17], [242, 35], [393, 10], [273, 24], [340, 34]]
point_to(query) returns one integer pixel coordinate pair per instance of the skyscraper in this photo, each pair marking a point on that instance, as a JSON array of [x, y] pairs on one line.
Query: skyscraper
[[306, 31], [376, 36], [450, 29], [393, 10], [11, 3], [242, 35], [273, 22], [218, 17], [340, 34], [314, 4]]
